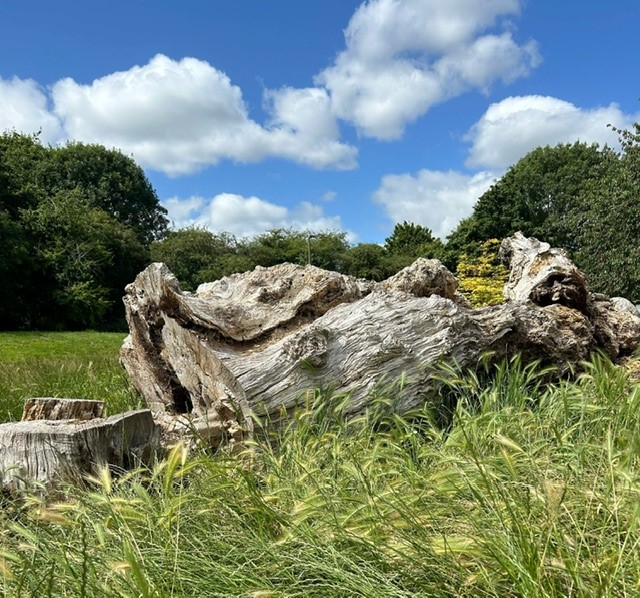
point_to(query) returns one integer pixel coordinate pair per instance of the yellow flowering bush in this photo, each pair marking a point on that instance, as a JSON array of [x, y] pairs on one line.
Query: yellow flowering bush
[[481, 278]]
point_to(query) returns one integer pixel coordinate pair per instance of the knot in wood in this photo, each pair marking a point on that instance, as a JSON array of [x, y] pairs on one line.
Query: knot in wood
[[309, 347]]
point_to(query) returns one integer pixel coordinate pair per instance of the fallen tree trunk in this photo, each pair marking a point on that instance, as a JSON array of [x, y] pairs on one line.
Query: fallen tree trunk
[[253, 343]]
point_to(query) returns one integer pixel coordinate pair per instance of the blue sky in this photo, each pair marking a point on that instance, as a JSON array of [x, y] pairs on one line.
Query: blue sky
[[253, 114]]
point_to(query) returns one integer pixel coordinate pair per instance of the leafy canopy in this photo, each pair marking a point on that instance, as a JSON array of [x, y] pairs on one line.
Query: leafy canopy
[[535, 196], [75, 225]]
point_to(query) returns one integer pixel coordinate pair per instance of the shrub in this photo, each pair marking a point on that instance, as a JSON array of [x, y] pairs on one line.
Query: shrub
[[482, 278]]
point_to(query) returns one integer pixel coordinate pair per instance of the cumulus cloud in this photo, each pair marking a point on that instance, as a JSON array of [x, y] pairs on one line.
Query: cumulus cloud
[[404, 56], [247, 216], [183, 212], [23, 107], [179, 116], [400, 58], [435, 199], [511, 128], [302, 128]]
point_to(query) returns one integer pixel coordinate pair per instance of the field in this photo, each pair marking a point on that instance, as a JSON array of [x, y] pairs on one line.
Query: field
[[63, 364], [532, 490]]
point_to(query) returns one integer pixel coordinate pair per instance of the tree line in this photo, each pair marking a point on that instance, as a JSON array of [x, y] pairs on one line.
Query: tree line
[[78, 222]]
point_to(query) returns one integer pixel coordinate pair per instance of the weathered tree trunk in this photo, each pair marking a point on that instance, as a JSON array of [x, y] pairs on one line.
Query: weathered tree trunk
[[253, 343], [45, 451]]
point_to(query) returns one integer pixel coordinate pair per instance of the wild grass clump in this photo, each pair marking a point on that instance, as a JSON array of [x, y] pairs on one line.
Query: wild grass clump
[[533, 490], [66, 364]]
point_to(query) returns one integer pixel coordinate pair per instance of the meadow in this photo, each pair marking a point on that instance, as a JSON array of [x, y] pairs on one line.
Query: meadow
[[530, 489], [62, 364]]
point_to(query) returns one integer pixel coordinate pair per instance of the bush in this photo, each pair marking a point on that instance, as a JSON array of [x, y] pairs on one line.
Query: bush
[[482, 278]]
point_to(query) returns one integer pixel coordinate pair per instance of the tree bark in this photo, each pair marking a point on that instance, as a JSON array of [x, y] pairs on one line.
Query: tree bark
[[54, 408], [44, 452], [251, 345]]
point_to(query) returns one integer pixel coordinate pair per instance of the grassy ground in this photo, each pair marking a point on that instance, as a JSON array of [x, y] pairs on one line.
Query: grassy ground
[[62, 364], [533, 491]]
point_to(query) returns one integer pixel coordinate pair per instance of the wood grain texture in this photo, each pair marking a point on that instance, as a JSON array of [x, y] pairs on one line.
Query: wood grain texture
[[56, 408], [47, 451], [253, 344]]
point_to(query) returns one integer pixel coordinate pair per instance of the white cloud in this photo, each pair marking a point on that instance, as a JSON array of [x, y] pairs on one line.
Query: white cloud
[[435, 199], [179, 116], [303, 129], [183, 212], [401, 57], [247, 216], [404, 56], [380, 29], [328, 196], [480, 63], [307, 110], [23, 107], [511, 128], [507, 131]]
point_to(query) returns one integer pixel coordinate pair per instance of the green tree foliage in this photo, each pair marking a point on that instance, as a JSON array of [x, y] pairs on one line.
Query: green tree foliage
[[15, 262], [108, 180], [607, 224], [413, 240], [75, 223], [366, 260], [580, 197], [17, 273], [86, 259], [322, 249], [534, 196], [22, 159], [407, 242], [196, 255]]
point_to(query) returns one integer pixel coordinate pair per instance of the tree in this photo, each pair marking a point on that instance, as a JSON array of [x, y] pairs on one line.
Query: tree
[[534, 196], [326, 249], [196, 255], [109, 180], [366, 260], [86, 258], [580, 197], [22, 159], [607, 224], [7, 201], [323, 249], [413, 240], [75, 224], [407, 242], [17, 273]]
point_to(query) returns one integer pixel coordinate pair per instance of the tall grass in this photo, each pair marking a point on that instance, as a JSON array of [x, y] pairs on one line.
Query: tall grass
[[66, 364], [533, 490]]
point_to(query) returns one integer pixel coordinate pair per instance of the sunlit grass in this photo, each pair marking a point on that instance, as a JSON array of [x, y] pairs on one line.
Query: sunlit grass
[[532, 490], [65, 364]]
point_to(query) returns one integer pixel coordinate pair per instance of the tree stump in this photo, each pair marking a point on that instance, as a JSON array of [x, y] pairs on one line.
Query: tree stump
[[55, 409], [44, 452]]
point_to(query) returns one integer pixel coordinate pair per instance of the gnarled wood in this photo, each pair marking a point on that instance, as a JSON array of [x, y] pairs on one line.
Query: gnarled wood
[[254, 343], [542, 275]]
